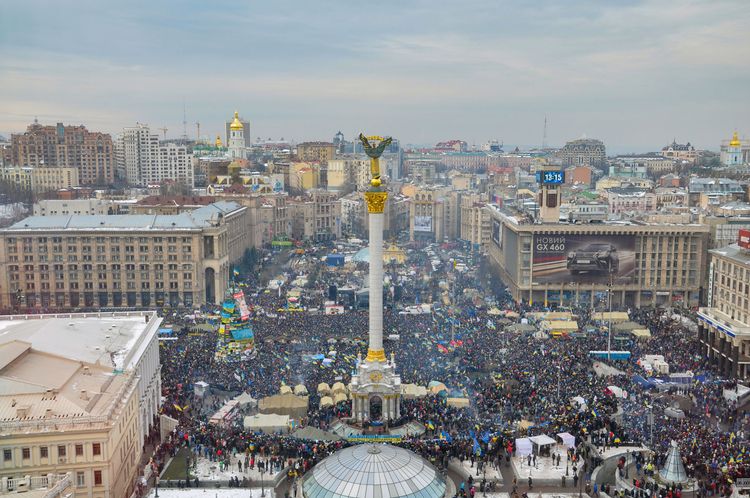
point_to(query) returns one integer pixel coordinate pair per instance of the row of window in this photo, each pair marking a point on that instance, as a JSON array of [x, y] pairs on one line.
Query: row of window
[[62, 451], [98, 240]]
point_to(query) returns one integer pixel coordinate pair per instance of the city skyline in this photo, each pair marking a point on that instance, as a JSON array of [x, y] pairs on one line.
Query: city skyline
[[422, 72]]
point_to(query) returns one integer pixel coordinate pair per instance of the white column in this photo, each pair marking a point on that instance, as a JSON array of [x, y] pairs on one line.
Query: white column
[[376, 281]]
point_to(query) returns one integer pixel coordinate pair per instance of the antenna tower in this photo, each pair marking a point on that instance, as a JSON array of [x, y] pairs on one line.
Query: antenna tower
[[544, 135]]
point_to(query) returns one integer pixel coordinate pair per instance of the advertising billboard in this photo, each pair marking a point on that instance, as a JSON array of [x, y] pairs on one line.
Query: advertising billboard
[[551, 177], [583, 258], [497, 233], [423, 223], [743, 238]]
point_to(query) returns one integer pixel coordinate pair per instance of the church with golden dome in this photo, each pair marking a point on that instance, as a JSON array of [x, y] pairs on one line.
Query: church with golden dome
[[735, 152], [236, 138]]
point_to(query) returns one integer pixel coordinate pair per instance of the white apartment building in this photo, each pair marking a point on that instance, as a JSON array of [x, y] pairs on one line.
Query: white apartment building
[[142, 161]]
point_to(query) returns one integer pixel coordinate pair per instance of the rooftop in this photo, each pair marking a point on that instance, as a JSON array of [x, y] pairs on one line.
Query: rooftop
[[68, 368], [203, 217], [733, 252]]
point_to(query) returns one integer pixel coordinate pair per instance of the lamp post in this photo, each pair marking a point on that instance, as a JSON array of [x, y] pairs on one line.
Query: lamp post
[[581, 477], [262, 487]]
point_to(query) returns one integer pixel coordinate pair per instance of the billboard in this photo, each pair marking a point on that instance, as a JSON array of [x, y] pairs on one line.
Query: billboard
[[583, 258], [423, 223], [497, 233], [743, 238], [551, 177]]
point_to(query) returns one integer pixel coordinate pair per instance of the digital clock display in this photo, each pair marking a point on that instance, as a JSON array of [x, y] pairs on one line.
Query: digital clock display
[[552, 177]]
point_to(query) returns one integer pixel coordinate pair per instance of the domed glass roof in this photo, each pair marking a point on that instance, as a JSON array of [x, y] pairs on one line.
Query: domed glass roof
[[374, 471]]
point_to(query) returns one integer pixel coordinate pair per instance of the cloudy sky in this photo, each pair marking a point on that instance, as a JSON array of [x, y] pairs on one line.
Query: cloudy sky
[[635, 73]]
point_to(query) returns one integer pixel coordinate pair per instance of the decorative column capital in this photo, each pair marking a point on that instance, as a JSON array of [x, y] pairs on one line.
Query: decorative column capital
[[375, 201]]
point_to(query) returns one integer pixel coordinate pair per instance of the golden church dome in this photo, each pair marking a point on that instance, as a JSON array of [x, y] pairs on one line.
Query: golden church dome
[[735, 142], [236, 123], [218, 141]]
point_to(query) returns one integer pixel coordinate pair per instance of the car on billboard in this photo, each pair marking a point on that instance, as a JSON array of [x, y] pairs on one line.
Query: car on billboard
[[595, 257]]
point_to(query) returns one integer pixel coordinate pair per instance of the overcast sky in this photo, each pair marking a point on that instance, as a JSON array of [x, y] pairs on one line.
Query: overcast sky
[[634, 73]]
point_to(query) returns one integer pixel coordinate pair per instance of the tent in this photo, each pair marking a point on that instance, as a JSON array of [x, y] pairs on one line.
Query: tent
[[339, 387], [523, 446], [641, 333], [457, 402], [557, 328], [285, 390], [300, 390], [494, 311], [339, 397], [268, 423], [326, 401], [568, 440], [438, 388], [541, 442], [314, 434], [412, 391], [244, 400], [284, 404], [324, 388], [610, 316]]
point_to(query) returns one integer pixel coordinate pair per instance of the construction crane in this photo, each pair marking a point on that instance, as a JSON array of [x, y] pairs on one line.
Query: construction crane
[[164, 131], [198, 131]]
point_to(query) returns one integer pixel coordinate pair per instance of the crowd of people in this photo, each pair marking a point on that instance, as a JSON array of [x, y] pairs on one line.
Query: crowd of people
[[518, 383]]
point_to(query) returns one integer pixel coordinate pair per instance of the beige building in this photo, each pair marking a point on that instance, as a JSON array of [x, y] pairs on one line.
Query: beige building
[[304, 176], [475, 221], [427, 213], [316, 217], [66, 207], [40, 180], [724, 325], [91, 154], [316, 151], [348, 173], [70, 407], [680, 152], [122, 260], [643, 264]]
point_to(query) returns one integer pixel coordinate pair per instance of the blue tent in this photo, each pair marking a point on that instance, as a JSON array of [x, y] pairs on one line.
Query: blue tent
[[642, 381]]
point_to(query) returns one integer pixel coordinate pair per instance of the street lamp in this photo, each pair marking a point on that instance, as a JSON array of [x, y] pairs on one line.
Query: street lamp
[[262, 487]]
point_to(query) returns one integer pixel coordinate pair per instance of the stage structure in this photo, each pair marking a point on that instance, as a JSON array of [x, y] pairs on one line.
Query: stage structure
[[376, 387]]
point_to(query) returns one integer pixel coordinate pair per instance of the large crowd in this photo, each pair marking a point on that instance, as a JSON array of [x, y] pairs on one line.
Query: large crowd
[[518, 383]]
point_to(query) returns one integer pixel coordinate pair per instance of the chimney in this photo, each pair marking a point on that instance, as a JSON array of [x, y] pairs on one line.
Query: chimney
[[22, 412], [86, 370], [84, 395], [48, 412]]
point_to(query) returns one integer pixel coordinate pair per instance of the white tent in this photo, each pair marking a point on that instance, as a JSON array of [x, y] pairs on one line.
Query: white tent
[[617, 392], [523, 446], [411, 391], [567, 439], [300, 390], [267, 423], [285, 390], [244, 400], [326, 401], [541, 441]]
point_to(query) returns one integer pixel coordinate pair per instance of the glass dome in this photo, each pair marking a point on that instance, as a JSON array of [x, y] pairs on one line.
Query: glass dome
[[374, 471]]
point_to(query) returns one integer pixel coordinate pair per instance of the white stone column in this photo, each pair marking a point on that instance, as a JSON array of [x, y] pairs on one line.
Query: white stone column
[[376, 281]]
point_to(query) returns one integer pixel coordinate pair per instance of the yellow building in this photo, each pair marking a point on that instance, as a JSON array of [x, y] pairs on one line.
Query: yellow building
[[40, 180], [316, 151], [61, 414], [304, 176]]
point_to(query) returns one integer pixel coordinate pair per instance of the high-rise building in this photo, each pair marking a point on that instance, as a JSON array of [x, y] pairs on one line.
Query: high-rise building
[[91, 153], [316, 151], [142, 161]]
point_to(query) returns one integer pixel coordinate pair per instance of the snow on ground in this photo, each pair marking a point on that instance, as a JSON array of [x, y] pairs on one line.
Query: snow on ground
[[211, 493], [544, 470], [489, 472], [532, 495], [622, 450], [206, 470]]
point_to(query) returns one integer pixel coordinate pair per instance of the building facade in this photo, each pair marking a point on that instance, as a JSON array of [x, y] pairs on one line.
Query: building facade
[[90, 153], [735, 152], [66, 262], [92, 399], [584, 152], [316, 151], [67, 207], [143, 161], [641, 264], [724, 325], [316, 217], [40, 180], [680, 152]]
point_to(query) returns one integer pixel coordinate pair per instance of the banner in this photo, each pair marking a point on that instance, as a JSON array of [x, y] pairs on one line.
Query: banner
[[497, 233], [423, 223], [239, 298], [583, 258]]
